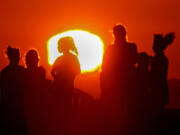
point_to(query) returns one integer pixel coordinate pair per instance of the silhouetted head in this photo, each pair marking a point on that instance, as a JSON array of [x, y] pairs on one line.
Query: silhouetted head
[[161, 43], [119, 32], [13, 55], [66, 44], [32, 58], [143, 60]]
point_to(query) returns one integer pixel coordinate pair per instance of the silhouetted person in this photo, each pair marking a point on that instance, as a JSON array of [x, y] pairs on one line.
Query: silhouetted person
[[159, 69], [118, 75], [118, 65], [119, 59], [143, 93], [64, 71], [36, 74], [36, 95], [143, 79], [13, 85]]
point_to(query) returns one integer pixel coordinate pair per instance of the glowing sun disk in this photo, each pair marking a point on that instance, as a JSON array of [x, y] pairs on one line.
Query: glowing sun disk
[[90, 48]]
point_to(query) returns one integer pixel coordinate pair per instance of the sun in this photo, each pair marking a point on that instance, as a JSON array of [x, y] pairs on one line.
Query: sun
[[90, 48]]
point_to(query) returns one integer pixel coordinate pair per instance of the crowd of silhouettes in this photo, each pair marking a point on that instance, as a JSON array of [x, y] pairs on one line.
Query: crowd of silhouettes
[[134, 91]]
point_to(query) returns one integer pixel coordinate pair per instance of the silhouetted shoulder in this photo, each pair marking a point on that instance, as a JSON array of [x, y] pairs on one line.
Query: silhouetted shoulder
[[5, 69], [8, 69], [132, 49], [75, 60], [42, 71], [20, 70], [160, 59], [72, 56], [57, 62], [110, 49], [132, 45], [159, 63]]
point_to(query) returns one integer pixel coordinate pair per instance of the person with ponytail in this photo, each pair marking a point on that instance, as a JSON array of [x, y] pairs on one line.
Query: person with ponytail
[[64, 71], [159, 71]]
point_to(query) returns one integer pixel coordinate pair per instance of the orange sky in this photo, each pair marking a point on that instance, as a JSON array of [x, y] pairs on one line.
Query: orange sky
[[31, 23]]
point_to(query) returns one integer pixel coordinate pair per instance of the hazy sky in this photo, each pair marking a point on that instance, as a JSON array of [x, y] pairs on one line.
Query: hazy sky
[[27, 24]]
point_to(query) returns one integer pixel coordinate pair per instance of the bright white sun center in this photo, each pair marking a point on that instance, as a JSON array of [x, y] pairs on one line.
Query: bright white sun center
[[90, 48]]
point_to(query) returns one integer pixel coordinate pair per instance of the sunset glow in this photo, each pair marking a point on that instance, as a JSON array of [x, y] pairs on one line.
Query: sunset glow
[[90, 48]]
